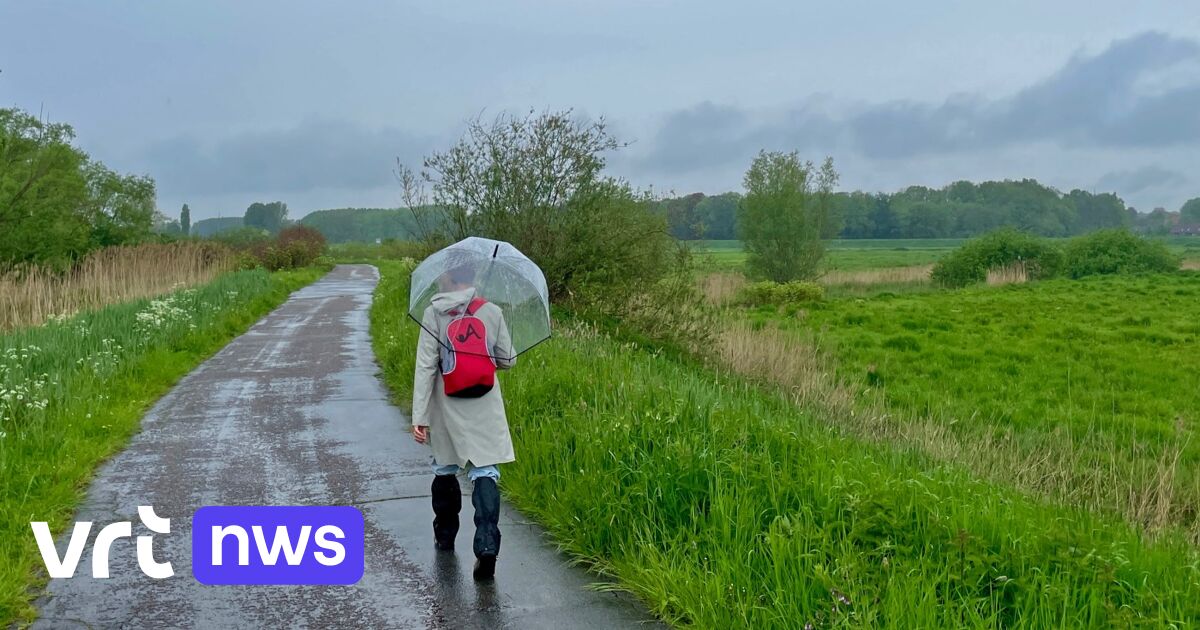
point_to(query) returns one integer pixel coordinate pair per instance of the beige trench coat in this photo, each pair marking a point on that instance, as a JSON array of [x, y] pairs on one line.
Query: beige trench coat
[[461, 430]]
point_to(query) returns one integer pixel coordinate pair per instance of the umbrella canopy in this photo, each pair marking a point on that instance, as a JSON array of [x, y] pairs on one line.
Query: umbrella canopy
[[500, 274]]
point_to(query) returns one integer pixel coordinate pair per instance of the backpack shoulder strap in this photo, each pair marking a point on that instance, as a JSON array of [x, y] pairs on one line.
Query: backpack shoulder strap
[[475, 305]]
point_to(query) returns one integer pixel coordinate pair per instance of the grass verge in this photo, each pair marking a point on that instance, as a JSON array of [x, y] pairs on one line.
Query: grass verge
[[724, 506], [73, 392]]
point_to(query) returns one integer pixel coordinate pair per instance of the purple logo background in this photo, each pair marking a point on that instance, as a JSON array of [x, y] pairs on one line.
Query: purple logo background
[[309, 569]]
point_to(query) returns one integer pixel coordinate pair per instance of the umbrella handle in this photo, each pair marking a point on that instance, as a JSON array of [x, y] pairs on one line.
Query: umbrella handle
[[491, 265]]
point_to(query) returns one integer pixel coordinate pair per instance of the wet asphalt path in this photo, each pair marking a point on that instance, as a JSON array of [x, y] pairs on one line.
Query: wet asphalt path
[[292, 413]]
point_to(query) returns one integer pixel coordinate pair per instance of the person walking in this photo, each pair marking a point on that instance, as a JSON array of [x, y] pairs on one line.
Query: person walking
[[459, 411]]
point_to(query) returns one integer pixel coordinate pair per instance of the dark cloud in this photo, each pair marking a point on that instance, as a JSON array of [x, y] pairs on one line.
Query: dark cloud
[[1138, 180], [1108, 100], [699, 137], [1101, 100], [316, 154]]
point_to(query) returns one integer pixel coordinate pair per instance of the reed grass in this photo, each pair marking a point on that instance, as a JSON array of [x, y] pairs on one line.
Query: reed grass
[[721, 288], [32, 296], [886, 275], [1014, 273]]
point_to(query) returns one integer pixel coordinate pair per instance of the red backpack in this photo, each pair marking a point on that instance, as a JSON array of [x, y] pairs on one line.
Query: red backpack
[[472, 372]]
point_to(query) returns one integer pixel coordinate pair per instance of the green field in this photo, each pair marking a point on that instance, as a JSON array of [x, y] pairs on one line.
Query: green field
[[722, 504], [843, 255], [860, 254], [1100, 378]]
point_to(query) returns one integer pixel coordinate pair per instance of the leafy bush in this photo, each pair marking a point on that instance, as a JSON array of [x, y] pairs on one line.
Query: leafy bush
[[296, 246], [246, 261], [304, 244], [970, 263], [670, 313], [538, 182], [780, 294], [1117, 251]]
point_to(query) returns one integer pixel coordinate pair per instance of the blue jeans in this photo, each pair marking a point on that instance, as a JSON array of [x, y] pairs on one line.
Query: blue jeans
[[473, 472]]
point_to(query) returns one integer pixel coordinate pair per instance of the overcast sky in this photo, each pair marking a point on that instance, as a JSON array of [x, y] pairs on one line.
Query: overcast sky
[[225, 102]]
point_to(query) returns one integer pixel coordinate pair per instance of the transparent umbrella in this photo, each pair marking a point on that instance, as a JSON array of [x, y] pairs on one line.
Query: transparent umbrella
[[500, 274]]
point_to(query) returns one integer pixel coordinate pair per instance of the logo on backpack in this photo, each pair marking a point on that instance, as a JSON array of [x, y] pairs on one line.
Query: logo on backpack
[[468, 370]]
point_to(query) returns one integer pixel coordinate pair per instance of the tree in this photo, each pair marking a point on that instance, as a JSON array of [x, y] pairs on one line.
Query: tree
[[185, 220], [210, 227], [165, 225], [783, 215], [852, 213], [1157, 221], [1097, 212], [121, 208], [345, 225], [683, 222], [883, 218], [718, 215], [41, 190], [56, 204], [537, 182], [267, 216], [1189, 214], [927, 219]]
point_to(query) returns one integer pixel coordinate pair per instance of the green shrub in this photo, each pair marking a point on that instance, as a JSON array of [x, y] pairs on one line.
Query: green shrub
[[295, 247], [246, 261], [970, 263], [780, 294], [538, 182], [302, 245], [1117, 251]]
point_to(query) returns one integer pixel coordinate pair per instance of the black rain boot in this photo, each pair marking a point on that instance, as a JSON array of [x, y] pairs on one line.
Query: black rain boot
[[447, 503], [486, 499]]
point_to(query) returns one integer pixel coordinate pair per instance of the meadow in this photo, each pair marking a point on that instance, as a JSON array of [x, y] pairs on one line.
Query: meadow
[[1084, 391], [73, 391], [722, 503], [842, 255], [851, 255]]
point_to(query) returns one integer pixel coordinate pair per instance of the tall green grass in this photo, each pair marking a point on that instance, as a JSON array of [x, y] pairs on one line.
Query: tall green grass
[[1103, 371], [723, 506], [72, 393]]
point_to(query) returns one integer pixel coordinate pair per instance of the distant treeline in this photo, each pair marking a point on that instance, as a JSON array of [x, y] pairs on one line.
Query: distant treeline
[[209, 227], [350, 225], [961, 209], [343, 225]]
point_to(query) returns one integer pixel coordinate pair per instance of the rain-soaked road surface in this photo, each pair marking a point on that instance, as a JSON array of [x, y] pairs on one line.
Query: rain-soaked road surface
[[291, 413]]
